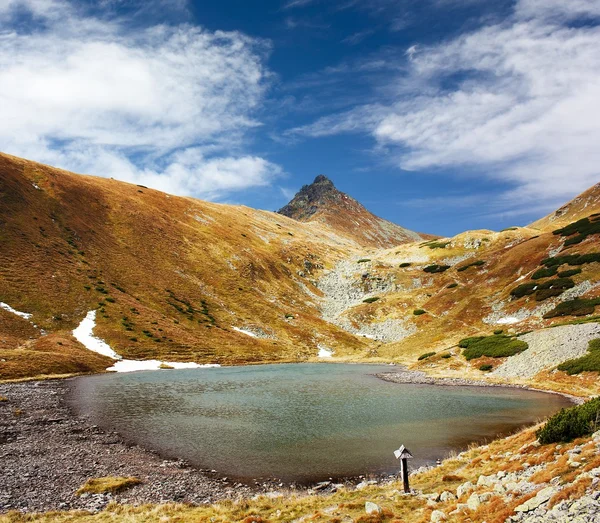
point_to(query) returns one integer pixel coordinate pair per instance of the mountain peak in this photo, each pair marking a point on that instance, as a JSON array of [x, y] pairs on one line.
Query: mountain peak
[[321, 201]]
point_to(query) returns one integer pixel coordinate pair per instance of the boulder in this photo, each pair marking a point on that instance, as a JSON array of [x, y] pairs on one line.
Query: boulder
[[486, 481], [447, 496], [541, 497], [473, 502], [465, 488], [372, 508], [437, 516]]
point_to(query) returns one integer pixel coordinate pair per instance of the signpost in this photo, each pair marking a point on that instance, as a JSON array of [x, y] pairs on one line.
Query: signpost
[[403, 454]]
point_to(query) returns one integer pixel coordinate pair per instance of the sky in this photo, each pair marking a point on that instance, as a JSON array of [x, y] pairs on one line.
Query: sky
[[439, 115]]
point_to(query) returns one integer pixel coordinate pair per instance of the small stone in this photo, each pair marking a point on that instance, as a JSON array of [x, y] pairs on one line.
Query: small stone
[[473, 502], [447, 496], [437, 516], [465, 488], [574, 464], [372, 508]]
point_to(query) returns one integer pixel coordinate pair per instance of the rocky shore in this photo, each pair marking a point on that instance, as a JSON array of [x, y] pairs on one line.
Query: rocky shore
[[47, 454]]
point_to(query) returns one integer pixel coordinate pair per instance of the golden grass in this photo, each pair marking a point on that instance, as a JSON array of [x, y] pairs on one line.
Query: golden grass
[[3, 399], [110, 484]]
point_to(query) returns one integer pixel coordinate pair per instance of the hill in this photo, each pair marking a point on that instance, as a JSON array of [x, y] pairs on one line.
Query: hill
[[180, 280]]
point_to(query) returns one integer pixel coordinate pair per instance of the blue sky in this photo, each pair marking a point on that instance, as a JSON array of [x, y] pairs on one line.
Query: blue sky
[[440, 115]]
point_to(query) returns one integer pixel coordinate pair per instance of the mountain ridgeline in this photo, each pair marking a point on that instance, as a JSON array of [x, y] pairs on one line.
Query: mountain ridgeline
[[182, 280]]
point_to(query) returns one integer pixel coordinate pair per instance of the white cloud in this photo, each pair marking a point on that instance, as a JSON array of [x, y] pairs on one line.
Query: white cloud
[[516, 101], [86, 94]]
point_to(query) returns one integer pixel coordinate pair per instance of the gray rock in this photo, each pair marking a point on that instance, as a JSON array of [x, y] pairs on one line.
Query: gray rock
[[372, 508], [465, 488], [473, 502], [437, 516]]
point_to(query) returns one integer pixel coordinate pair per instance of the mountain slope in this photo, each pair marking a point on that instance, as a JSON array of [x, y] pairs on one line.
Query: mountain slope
[[320, 202], [582, 206]]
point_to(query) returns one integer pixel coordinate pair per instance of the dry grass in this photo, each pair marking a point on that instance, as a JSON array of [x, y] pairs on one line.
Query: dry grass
[[107, 484], [576, 490]]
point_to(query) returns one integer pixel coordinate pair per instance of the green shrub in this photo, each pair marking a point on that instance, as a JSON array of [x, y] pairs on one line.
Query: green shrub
[[544, 272], [568, 273], [572, 423], [405, 264], [371, 300], [588, 363], [580, 230], [523, 290], [437, 245], [109, 299], [446, 356], [553, 288], [477, 263], [497, 346], [364, 260], [452, 286], [572, 259], [486, 367], [498, 331], [426, 355], [509, 229], [419, 312], [576, 307], [436, 268]]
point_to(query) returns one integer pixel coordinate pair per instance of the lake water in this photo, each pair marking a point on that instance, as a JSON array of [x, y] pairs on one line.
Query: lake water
[[301, 422]]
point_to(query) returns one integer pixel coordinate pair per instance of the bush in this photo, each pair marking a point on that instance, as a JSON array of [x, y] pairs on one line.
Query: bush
[[446, 356], [477, 263], [364, 260], [588, 363], [576, 307], [572, 423], [405, 264], [498, 331], [452, 286], [371, 300], [553, 288], [436, 268], [581, 229], [419, 312], [572, 259], [487, 367], [523, 290], [426, 355], [544, 272], [568, 273], [497, 346], [437, 245]]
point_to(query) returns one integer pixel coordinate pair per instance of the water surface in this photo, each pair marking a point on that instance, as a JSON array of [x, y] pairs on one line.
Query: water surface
[[301, 422]]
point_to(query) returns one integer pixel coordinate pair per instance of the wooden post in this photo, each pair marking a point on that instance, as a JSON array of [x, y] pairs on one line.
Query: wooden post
[[403, 454]]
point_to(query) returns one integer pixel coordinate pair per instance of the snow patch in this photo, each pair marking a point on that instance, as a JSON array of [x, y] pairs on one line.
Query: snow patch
[[508, 320], [6, 307], [244, 331], [84, 334], [324, 352]]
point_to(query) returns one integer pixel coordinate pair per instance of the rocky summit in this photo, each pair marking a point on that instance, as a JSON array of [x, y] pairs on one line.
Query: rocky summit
[[322, 202]]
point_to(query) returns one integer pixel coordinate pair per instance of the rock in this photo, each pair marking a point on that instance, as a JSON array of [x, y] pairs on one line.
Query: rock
[[574, 464], [437, 516], [473, 502], [465, 488], [486, 496], [541, 497], [486, 481], [372, 508], [447, 496]]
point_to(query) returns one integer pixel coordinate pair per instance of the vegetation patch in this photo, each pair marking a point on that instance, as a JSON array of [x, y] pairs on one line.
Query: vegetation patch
[[405, 264], [371, 300], [486, 368], [452, 286], [446, 356], [588, 363], [496, 346], [571, 423], [553, 288], [524, 290], [426, 355], [572, 259], [364, 260], [435, 244], [435, 268], [544, 272], [576, 307], [568, 273], [580, 230], [419, 312], [477, 263], [107, 484]]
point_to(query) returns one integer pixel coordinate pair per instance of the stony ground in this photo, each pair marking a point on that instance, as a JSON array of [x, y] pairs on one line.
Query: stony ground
[[46, 454], [547, 349]]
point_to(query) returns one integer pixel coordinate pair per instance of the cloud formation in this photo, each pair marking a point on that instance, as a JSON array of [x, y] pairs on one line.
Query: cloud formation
[[515, 101], [167, 106]]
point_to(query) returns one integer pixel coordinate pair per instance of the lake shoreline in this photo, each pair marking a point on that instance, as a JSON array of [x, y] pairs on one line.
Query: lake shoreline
[[48, 452]]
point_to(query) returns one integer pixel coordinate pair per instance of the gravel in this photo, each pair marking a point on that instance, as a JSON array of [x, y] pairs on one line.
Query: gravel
[[547, 349], [47, 454]]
